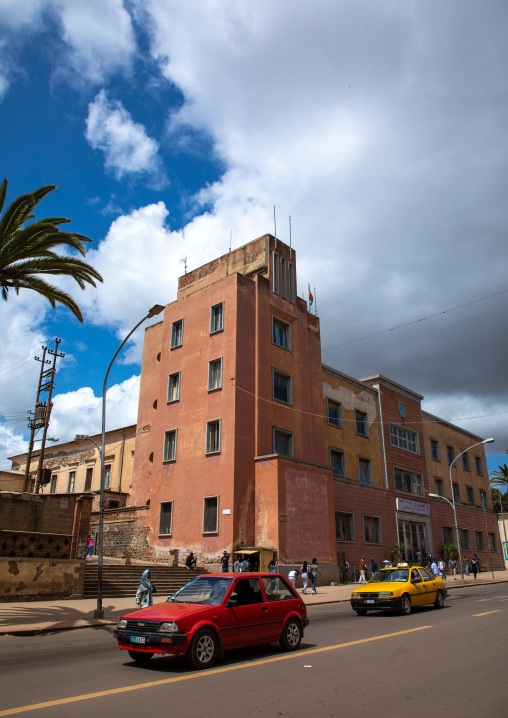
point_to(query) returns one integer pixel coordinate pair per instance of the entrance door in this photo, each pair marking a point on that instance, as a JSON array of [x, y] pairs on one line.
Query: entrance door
[[412, 535]]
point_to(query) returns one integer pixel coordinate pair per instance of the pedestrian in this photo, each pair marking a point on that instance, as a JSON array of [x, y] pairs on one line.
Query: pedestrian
[[373, 566], [314, 570], [466, 565], [145, 590], [419, 557], [190, 561], [442, 568], [245, 566], [452, 563], [475, 565], [305, 576], [225, 562], [361, 568], [292, 576], [273, 566], [89, 546], [434, 568], [236, 565]]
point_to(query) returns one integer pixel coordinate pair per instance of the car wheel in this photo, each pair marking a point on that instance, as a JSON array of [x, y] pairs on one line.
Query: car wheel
[[291, 635], [140, 656], [203, 650], [361, 611], [405, 605], [439, 602]]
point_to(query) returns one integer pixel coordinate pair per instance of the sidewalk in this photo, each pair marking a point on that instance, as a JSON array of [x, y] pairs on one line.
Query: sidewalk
[[46, 616]]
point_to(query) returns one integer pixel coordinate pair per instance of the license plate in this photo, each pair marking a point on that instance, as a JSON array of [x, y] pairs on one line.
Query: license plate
[[137, 639], [369, 601]]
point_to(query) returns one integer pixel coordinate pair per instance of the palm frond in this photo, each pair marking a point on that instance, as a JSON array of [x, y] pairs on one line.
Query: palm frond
[[20, 211], [3, 192], [53, 294]]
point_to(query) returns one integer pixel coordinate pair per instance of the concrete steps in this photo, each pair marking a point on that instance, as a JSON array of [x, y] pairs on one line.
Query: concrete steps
[[120, 581]]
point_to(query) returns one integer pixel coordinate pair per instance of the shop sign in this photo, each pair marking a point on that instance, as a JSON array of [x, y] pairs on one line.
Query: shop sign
[[412, 507]]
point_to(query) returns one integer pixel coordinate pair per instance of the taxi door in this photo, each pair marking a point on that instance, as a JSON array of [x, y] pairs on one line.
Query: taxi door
[[418, 593], [430, 585]]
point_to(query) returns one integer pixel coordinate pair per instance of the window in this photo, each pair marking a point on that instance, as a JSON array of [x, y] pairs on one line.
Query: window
[[174, 387], [337, 462], [434, 450], [465, 462], [450, 454], [448, 535], [409, 481], [281, 333], [213, 436], [334, 411], [210, 514], [361, 423], [344, 526], [470, 496], [439, 484], [282, 443], [52, 485], [364, 471], [215, 374], [275, 273], [483, 499], [372, 529], [492, 542], [276, 589], [170, 440], [88, 478], [403, 438], [456, 493], [291, 278], [107, 476], [478, 541], [283, 278], [72, 482], [478, 464], [282, 386], [177, 334], [166, 518], [217, 318], [464, 538]]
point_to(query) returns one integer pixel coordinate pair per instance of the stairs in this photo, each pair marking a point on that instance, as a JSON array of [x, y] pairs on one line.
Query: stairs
[[120, 581]]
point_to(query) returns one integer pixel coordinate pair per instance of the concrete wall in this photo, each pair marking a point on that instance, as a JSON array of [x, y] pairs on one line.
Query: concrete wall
[[30, 579]]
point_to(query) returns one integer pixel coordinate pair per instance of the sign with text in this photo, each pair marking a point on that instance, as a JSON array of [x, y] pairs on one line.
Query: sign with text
[[412, 507]]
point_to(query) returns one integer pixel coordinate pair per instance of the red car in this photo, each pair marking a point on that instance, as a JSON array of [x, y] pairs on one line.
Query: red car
[[215, 612]]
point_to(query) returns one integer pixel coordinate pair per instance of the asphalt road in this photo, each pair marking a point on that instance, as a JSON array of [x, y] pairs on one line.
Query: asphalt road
[[447, 662]]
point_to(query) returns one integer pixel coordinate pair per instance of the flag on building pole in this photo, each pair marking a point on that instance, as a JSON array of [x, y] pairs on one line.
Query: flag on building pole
[[311, 298]]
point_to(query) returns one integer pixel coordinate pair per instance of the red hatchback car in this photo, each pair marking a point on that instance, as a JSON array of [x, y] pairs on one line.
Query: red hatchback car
[[215, 612]]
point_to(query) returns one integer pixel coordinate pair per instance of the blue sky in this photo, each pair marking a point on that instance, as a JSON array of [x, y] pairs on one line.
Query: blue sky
[[168, 127]]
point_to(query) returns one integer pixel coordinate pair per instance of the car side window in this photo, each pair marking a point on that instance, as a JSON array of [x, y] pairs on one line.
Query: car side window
[[247, 591], [415, 576], [276, 588], [426, 575]]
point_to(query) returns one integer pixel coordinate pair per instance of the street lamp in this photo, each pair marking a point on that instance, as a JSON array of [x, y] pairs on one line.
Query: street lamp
[[99, 612]]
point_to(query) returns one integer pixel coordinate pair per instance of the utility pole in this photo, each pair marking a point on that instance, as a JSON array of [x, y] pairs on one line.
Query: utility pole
[[47, 382], [37, 422]]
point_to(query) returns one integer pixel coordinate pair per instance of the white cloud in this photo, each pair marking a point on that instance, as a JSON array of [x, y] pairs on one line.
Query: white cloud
[[127, 148]]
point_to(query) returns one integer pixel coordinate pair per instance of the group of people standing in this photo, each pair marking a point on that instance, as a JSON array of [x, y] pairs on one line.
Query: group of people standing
[[309, 572]]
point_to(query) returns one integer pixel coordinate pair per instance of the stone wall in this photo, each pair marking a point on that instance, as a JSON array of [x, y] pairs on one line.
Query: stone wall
[[125, 532], [37, 579]]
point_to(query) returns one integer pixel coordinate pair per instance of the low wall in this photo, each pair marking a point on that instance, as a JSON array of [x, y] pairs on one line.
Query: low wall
[[40, 579]]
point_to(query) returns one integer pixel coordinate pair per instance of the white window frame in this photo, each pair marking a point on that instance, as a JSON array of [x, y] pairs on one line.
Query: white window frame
[[416, 480], [404, 438], [170, 532], [88, 469], [166, 458], [483, 499], [351, 517], [209, 424], [339, 413], [369, 467], [436, 487], [216, 529], [174, 339], [289, 435], [72, 482], [286, 327], [53, 483], [437, 457], [212, 363], [107, 475], [379, 533], [333, 450], [213, 329], [176, 375], [289, 385], [365, 422]]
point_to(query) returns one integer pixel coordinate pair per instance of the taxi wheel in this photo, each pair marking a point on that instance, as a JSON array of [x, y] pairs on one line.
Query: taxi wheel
[[203, 650], [291, 635], [439, 602], [361, 611], [405, 605], [140, 656]]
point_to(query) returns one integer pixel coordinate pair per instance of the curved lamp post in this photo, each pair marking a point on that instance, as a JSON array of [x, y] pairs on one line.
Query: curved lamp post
[[99, 612], [452, 503]]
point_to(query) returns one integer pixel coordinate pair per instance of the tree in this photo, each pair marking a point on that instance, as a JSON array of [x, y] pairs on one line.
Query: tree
[[499, 482], [26, 252]]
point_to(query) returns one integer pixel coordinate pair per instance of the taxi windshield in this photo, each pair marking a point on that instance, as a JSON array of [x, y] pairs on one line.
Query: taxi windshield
[[390, 575], [204, 589]]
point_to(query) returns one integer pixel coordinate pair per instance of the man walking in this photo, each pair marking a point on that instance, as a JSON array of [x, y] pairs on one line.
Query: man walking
[[361, 567]]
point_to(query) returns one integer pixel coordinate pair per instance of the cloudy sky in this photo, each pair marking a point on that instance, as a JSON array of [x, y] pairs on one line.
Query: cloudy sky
[[379, 126]]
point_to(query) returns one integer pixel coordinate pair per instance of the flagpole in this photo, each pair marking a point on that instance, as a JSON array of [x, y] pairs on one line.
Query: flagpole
[[315, 302]]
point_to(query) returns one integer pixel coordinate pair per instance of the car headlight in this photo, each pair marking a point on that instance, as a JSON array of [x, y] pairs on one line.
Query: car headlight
[[354, 595], [122, 623], [169, 627], [385, 593]]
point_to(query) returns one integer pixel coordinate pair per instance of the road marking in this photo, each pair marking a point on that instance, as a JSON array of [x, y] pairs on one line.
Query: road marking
[[476, 614], [201, 674]]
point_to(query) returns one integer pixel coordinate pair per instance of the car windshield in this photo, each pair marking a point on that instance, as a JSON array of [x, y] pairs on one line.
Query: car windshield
[[204, 589], [390, 574]]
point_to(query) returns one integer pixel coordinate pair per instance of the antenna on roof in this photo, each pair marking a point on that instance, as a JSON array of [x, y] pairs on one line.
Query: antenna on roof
[[274, 227], [184, 262], [230, 240]]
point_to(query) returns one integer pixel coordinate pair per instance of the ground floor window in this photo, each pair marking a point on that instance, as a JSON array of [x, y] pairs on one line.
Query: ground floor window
[[210, 515], [412, 535], [492, 542], [344, 526], [464, 538], [166, 518], [478, 541], [372, 529], [448, 535]]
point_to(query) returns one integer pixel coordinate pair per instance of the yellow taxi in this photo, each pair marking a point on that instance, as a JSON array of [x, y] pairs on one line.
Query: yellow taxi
[[399, 588]]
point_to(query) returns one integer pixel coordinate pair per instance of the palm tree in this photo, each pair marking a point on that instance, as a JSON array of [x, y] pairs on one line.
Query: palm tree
[[28, 252], [498, 481]]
